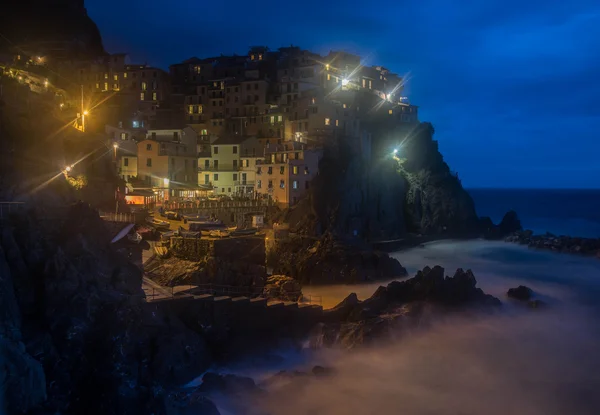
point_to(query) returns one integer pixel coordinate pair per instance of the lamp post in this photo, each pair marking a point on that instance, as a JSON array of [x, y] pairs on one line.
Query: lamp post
[[115, 147]]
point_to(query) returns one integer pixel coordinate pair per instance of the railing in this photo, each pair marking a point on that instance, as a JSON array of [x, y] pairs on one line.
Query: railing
[[8, 208], [244, 183], [118, 217], [225, 290]]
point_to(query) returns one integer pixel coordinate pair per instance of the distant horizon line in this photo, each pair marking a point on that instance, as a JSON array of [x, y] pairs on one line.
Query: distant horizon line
[[534, 188]]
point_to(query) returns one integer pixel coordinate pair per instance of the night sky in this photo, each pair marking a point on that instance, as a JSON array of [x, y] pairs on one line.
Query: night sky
[[512, 87]]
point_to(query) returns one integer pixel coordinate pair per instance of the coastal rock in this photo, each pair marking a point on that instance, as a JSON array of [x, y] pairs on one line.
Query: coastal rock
[[521, 293], [281, 287], [75, 330], [228, 384], [401, 306], [565, 244], [509, 225], [326, 262]]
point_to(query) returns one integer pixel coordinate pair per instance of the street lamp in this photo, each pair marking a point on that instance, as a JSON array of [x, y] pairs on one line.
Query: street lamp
[[115, 147], [345, 82]]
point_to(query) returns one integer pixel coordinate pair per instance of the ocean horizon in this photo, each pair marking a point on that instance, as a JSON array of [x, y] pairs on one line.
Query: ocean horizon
[[573, 212]]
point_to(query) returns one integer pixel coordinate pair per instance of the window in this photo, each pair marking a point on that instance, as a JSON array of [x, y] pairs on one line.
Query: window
[[306, 170], [235, 177], [116, 77], [297, 156], [97, 85], [125, 75], [204, 132], [327, 121], [337, 123], [144, 86], [105, 75], [142, 96], [282, 184], [148, 162], [125, 161], [282, 170], [295, 184], [148, 147], [390, 112], [295, 170], [235, 150], [175, 136], [215, 177], [328, 77], [106, 86], [123, 136], [246, 163], [259, 184], [270, 184], [216, 150], [345, 106], [216, 164], [207, 179], [270, 170], [235, 164], [259, 170], [154, 96]]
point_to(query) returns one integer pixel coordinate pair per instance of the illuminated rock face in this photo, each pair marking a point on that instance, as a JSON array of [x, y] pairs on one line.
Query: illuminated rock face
[[56, 27]]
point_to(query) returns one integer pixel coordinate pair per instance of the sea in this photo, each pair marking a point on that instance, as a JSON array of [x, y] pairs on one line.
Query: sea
[[574, 212], [517, 361]]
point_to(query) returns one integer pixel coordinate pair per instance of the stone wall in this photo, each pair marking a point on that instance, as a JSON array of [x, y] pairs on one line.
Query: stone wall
[[192, 249], [247, 249]]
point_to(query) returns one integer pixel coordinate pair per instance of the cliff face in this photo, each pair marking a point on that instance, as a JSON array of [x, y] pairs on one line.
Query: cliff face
[[43, 22], [75, 333], [382, 194]]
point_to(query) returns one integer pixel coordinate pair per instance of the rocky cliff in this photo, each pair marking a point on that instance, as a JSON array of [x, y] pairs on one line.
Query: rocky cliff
[[48, 24], [75, 334], [368, 190]]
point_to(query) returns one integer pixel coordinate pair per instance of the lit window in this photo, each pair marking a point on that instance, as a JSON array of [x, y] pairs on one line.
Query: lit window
[[115, 86], [327, 121], [144, 86], [280, 118], [272, 119], [106, 86], [259, 184], [190, 109], [197, 69], [390, 112], [328, 77], [295, 170], [142, 96], [125, 75], [337, 123], [370, 84], [204, 132], [97, 86], [364, 82], [199, 109], [345, 106], [123, 136], [306, 170], [105, 75], [116, 77], [295, 184], [154, 96], [313, 100], [135, 124]]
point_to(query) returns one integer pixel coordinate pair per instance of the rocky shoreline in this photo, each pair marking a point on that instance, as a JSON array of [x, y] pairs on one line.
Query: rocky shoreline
[[562, 243]]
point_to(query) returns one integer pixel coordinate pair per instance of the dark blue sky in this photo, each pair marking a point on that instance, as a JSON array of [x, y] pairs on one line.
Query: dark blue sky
[[512, 87]]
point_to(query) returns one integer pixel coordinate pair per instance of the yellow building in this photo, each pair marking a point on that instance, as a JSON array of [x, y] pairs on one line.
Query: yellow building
[[287, 172]]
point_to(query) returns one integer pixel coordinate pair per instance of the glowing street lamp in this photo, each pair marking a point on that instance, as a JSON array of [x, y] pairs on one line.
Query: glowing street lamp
[[115, 147], [395, 151], [345, 82], [68, 169]]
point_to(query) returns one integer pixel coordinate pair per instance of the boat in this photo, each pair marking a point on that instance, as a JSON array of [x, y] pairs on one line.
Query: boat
[[219, 233], [210, 225], [134, 237], [246, 231], [157, 223], [193, 217]]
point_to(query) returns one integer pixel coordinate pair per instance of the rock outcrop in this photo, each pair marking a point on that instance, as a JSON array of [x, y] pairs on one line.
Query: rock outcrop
[[75, 333], [401, 306], [565, 244], [521, 292], [326, 261], [509, 224], [281, 287]]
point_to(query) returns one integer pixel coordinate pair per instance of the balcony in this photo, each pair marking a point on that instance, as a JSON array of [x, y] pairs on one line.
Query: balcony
[[244, 183]]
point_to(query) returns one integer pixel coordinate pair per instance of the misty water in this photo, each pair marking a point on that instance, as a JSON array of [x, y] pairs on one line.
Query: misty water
[[518, 361]]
